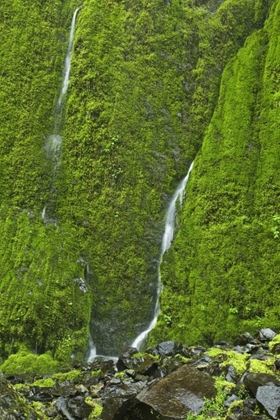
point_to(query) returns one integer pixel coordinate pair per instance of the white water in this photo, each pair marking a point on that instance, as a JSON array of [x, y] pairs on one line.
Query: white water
[[92, 350], [93, 355], [54, 141], [67, 67], [165, 245]]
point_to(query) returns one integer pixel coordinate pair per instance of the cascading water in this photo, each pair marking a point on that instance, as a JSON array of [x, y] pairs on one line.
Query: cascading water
[[54, 141], [91, 350], [165, 245], [67, 67]]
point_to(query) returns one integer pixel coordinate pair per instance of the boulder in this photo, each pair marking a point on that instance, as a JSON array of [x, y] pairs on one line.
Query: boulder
[[231, 374], [170, 398], [254, 380], [124, 361], [243, 339], [73, 408], [266, 334], [268, 397], [170, 348], [115, 398], [276, 348]]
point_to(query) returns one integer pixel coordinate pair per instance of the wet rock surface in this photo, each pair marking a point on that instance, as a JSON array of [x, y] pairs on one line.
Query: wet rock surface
[[168, 382], [268, 397], [174, 396]]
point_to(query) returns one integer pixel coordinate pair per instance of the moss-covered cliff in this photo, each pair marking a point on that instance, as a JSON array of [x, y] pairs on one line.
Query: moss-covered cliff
[[221, 274], [42, 307], [144, 99]]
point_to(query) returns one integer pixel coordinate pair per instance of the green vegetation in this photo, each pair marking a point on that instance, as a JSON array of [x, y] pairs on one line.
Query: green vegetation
[[215, 408], [220, 275], [96, 408], [24, 362], [73, 374], [153, 84]]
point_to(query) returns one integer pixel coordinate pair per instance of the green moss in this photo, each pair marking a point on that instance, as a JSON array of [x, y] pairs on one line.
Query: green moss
[[96, 408], [145, 356], [215, 407], [274, 341], [24, 362], [237, 360], [44, 383], [39, 408], [120, 375], [96, 373], [222, 265], [230, 358], [262, 366], [72, 375]]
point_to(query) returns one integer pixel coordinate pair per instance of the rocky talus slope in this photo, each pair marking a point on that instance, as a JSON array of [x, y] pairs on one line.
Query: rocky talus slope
[[169, 382]]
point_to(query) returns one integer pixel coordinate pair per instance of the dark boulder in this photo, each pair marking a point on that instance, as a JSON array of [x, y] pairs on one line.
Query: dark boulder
[[266, 334], [254, 380], [230, 400], [115, 398], [170, 398], [243, 339], [268, 397], [231, 374], [73, 408], [124, 361], [169, 348], [276, 348], [277, 364]]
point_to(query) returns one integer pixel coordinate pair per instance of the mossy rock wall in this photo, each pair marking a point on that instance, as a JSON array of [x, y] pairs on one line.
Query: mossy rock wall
[[143, 88], [144, 84], [42, 307], [221, 274]]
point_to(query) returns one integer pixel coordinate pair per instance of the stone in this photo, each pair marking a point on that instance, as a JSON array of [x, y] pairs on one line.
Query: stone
[[277, 364], [243, 339], [124, 360], [11, 405], [73, 408], [268, 397], [221, 343], [172, 397], [115, 398], [230, 400], [203, 363], [266, 334], [231, 374], [79, 408], [197, 351], [170, 348], [276, 348], [254, 380]]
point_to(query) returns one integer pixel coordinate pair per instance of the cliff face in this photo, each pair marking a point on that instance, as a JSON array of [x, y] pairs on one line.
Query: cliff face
[[221, 274], [153, 86]]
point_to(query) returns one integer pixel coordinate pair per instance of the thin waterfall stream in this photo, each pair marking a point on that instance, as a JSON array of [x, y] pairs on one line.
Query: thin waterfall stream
[[54, 141], [165, 245]]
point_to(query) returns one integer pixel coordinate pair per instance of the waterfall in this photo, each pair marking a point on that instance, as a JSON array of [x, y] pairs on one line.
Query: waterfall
[[165, 245], [92, 355], [67, 67], [91, 350], [53, 141]]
